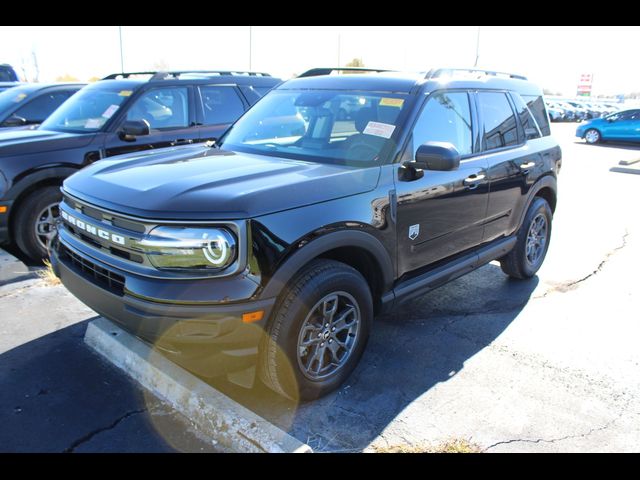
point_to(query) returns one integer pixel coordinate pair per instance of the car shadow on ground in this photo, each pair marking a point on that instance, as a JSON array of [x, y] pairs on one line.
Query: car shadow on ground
[[610, 143], [422, 344]]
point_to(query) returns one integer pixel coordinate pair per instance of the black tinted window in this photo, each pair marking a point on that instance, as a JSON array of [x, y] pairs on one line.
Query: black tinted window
[[536, 105], [526, 118], [499, 121], [220, 105], [162, 108], [445, 118], [41, 107]]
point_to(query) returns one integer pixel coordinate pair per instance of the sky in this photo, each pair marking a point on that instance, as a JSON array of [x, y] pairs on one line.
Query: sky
[[553, 57]]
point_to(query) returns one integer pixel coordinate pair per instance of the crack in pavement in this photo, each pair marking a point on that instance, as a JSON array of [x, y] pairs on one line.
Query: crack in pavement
[[566, 437], [90, 435], [568, 286]]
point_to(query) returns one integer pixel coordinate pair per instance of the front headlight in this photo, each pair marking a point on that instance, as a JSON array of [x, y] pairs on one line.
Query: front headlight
[[189, 248]]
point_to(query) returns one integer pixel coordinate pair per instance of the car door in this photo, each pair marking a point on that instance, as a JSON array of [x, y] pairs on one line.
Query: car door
[[441, 213], [169, 114], [219, 106], [512, 161], [621, 126]]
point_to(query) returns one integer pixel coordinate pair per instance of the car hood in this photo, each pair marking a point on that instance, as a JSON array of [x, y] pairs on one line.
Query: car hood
[[201, 183], [17, 142]]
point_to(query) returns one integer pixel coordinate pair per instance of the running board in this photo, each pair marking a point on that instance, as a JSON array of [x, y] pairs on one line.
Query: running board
[[432, 279]]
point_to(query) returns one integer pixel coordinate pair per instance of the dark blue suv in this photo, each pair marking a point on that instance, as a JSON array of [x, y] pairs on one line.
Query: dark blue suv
[[122, 113]]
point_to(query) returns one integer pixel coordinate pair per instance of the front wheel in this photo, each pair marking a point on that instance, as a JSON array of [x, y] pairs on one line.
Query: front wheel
[[35, 222], [592, 136], [532, 242], [318, 331]]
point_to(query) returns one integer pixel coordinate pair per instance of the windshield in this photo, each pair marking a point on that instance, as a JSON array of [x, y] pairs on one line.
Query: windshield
[[88, 110], [349, 128], [10, 99]]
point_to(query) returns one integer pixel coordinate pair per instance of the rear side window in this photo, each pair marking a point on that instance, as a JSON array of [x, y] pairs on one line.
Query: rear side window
[[526, 118], [536, 105], [220, 104], [500, 128], [41, 107]]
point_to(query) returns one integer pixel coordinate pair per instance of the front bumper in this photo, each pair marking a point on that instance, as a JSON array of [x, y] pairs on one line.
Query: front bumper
[[209, 339]]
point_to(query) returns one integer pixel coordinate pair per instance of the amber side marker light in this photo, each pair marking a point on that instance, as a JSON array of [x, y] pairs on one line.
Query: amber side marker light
[[3, 209], [252, 316]]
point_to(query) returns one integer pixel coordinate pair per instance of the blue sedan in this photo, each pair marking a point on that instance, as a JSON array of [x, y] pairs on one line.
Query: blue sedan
[[624, 126]]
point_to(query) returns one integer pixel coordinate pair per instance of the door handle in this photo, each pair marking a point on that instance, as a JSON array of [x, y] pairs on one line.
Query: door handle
[[183, 141], [526, 166], [472, 181]]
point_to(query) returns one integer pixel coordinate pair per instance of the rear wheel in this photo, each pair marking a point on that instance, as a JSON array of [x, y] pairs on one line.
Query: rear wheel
[[527, 256], [318, 332], [35, 222], [592, 136]]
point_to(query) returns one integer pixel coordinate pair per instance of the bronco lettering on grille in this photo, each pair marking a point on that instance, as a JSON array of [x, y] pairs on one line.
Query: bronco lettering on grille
[[92, 229]]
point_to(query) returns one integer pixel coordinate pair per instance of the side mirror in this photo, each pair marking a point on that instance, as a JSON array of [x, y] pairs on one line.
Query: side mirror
[[439, 156], [133, 128], [14, 121]]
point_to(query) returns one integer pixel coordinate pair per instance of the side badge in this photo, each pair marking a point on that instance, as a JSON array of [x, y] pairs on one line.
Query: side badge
[[414, 231]]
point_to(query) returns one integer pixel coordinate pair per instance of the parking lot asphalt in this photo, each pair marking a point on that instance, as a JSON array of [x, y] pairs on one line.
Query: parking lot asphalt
[[543, 365]]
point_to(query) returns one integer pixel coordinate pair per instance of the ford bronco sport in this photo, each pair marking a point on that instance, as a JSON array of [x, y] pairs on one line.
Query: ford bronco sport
[[275, 247], [124, 112]]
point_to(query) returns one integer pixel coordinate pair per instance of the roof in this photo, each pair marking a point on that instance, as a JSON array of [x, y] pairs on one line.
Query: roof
[[406, 82], [194, 77]]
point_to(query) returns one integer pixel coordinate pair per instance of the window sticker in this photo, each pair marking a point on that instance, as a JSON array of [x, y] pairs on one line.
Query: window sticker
[[93, 123], [20, 97], [125, 93], [379, 129], [391, 102], [108, 113]]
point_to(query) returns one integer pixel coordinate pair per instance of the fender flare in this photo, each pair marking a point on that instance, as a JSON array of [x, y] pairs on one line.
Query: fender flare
[[39, 175], [548, 181], [320, 245]]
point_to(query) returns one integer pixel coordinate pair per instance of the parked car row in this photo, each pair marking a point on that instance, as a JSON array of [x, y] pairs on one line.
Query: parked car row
[[577, 111]]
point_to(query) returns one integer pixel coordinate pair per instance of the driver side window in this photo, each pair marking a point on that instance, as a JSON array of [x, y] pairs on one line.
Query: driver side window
[[445, 118], [162, 108]]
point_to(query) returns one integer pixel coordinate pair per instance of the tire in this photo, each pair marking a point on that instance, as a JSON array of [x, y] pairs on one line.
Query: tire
[[592, 136], [283, 356], [517, 264], [43, 201]]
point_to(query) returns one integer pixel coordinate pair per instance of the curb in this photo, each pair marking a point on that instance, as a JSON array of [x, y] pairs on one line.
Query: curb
[[213, 413], [634, 170], [629, 162]]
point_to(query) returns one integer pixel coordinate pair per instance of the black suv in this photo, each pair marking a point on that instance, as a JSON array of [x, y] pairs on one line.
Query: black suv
[[277, 246], [120, 114]]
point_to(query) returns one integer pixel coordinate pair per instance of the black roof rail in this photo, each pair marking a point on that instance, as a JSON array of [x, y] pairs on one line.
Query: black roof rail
[[315, 72], [176, 74], [438, 72]]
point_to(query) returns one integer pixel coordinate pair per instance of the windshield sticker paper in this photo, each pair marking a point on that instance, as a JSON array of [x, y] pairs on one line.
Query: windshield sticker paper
[[108, 113], [391, 102], [93, 123], [125, 93], [378, 129], [20, 97]]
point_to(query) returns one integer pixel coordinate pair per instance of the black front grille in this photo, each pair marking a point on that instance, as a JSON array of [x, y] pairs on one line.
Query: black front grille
[[94, 273]]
